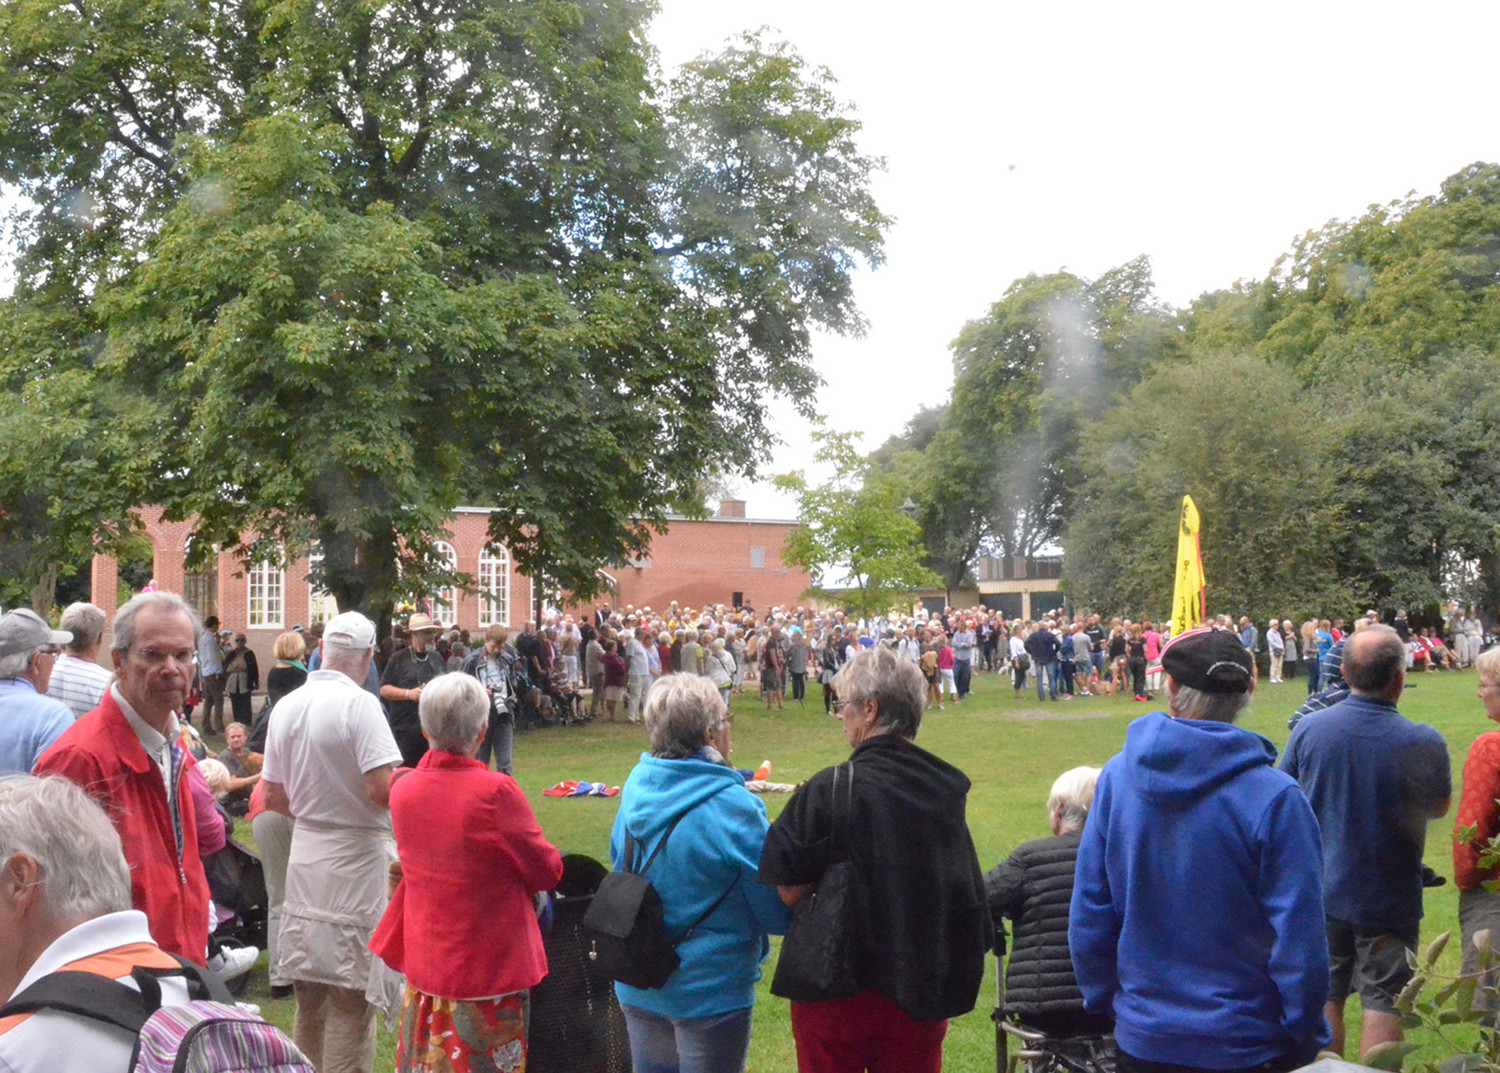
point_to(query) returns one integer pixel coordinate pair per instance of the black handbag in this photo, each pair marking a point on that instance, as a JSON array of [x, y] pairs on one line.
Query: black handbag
[[819, 955], [626, 924]]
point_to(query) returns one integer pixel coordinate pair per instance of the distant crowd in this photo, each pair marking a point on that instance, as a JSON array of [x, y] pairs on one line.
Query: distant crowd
[[1201, 902]]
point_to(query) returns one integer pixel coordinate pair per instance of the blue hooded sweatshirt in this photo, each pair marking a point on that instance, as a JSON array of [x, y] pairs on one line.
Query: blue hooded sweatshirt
[[716, 846], [1197, 913]]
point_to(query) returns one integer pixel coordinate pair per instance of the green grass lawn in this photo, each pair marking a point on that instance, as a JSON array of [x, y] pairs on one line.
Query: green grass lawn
[[1011, 749]]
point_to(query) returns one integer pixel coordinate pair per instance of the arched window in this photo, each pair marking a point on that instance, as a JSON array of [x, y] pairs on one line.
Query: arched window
[[494, 586], [445, 601], [200, 577], [267, 608]]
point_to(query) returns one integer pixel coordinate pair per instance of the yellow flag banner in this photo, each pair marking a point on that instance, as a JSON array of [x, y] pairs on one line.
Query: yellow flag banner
[[1188, 604]]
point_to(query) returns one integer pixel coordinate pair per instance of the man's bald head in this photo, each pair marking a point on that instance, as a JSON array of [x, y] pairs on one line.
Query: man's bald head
[[1374, 662]]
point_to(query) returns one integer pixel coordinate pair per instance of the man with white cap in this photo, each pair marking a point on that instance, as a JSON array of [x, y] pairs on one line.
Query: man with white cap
[[328, 765], [29, 719]]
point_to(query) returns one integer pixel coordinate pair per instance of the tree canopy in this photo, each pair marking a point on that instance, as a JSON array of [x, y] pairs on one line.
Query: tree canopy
[[1333, 420], [854, 540], [352, 266]]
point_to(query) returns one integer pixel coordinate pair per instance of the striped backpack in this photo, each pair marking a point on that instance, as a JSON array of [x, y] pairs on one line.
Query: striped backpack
[[208, 1034]]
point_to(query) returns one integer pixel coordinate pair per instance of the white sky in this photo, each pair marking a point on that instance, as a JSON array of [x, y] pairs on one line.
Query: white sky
[[1032, 137]]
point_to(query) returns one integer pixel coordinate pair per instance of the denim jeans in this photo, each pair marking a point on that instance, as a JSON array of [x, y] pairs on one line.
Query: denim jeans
[[498, 741], [1046, 672], [713, 1044]]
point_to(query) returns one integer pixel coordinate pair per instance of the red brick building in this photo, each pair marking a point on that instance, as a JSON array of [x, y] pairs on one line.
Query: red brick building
[[725, 559]]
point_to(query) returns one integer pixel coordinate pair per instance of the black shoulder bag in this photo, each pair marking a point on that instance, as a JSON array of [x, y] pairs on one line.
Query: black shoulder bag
[[819, 956], [627, 926]]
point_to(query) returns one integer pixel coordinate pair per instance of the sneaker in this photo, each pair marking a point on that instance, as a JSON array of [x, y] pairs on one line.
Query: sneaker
[[233, 961]]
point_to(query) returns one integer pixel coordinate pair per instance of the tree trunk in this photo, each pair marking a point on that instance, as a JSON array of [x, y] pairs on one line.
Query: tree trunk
[[44, 590]]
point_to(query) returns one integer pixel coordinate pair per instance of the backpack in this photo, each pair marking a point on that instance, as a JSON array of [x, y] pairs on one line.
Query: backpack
[[627, 927], [208, 1034]]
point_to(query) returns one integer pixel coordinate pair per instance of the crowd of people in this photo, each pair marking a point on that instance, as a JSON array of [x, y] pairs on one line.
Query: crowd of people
[[1200, 901]]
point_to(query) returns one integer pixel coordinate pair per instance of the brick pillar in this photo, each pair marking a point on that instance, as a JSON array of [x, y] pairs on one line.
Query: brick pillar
[[104, 576]]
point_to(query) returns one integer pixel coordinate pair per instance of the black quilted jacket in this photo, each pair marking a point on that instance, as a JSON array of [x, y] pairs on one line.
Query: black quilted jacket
[[1032, 890]]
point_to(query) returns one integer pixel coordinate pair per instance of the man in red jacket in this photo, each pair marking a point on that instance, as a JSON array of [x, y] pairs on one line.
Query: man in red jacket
[[125, 754]]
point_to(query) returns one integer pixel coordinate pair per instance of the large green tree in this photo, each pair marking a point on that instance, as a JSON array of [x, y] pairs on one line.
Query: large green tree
[[1029, 376], [1253, 451], [854, 540], [368, 263]]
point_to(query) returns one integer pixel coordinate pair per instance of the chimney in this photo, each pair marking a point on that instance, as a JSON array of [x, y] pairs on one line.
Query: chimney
[[731, 508]]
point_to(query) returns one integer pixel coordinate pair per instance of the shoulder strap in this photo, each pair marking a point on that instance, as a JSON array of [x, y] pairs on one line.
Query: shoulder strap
[[101, 998], [842, 816], [660, 845]]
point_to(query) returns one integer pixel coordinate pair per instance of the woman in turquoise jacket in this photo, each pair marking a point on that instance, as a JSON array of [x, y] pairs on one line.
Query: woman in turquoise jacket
[[716, 909]]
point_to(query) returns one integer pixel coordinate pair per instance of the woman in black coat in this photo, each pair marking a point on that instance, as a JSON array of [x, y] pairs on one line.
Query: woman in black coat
[[1033, 889]]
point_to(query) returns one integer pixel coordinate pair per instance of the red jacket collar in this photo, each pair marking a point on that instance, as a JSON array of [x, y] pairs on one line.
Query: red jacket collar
[[117, 731]]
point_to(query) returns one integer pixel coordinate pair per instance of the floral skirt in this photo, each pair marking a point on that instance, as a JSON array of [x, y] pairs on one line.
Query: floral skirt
[[441, 1035]]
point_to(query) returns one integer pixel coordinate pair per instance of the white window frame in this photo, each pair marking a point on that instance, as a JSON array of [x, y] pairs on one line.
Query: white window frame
[[494, 586], [322, 605], [265, 605], [445, 600]]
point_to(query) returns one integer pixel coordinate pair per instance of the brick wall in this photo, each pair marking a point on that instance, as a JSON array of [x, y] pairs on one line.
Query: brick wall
[[707, 562], [691, 562]]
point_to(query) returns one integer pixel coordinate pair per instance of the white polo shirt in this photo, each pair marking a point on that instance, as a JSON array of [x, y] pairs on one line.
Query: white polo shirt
[[49, 1040]]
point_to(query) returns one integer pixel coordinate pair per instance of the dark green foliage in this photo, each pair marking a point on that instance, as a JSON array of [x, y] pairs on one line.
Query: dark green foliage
[[361, 264]]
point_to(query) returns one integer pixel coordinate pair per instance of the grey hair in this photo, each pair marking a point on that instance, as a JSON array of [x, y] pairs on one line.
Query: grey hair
[[75, 847], [165, 601], [1072, 796], [681, 710], [348, 659], [453, 708], [894, 684], [86, 623], [1190, 703], [15, 664], [1373, 659], [1487, 663]]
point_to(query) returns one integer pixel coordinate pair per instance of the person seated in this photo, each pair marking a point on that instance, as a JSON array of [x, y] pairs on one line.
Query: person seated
[[560, 688], [1439, 654], [1033, 888], [243, 768], [65, 900]]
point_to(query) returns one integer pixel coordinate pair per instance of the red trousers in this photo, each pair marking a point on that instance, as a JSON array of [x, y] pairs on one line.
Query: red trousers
[[868, 1032]]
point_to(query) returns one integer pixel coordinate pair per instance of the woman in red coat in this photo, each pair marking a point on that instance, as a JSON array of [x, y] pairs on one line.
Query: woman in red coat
[[462, 923]]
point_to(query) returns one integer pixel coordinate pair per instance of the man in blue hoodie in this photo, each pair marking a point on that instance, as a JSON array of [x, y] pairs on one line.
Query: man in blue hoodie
[[1197, 912]]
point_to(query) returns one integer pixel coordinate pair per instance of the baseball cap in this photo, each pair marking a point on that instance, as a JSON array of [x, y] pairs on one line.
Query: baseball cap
[[349, 630], [23, 629], [1209, 660]]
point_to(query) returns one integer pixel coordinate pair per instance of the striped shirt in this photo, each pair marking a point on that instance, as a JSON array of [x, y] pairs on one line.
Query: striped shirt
[[78, 683]]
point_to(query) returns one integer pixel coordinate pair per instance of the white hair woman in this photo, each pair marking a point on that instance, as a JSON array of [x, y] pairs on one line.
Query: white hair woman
[[720, 668], [686, 805], [1033, 888], [462, 923]]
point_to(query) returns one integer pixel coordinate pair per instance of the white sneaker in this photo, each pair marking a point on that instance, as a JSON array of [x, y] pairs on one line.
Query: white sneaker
[[232, 961]]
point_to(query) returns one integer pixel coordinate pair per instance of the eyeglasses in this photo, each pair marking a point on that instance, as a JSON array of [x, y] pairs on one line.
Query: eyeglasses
[[49, 650], [839, 706], [156, 657]]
